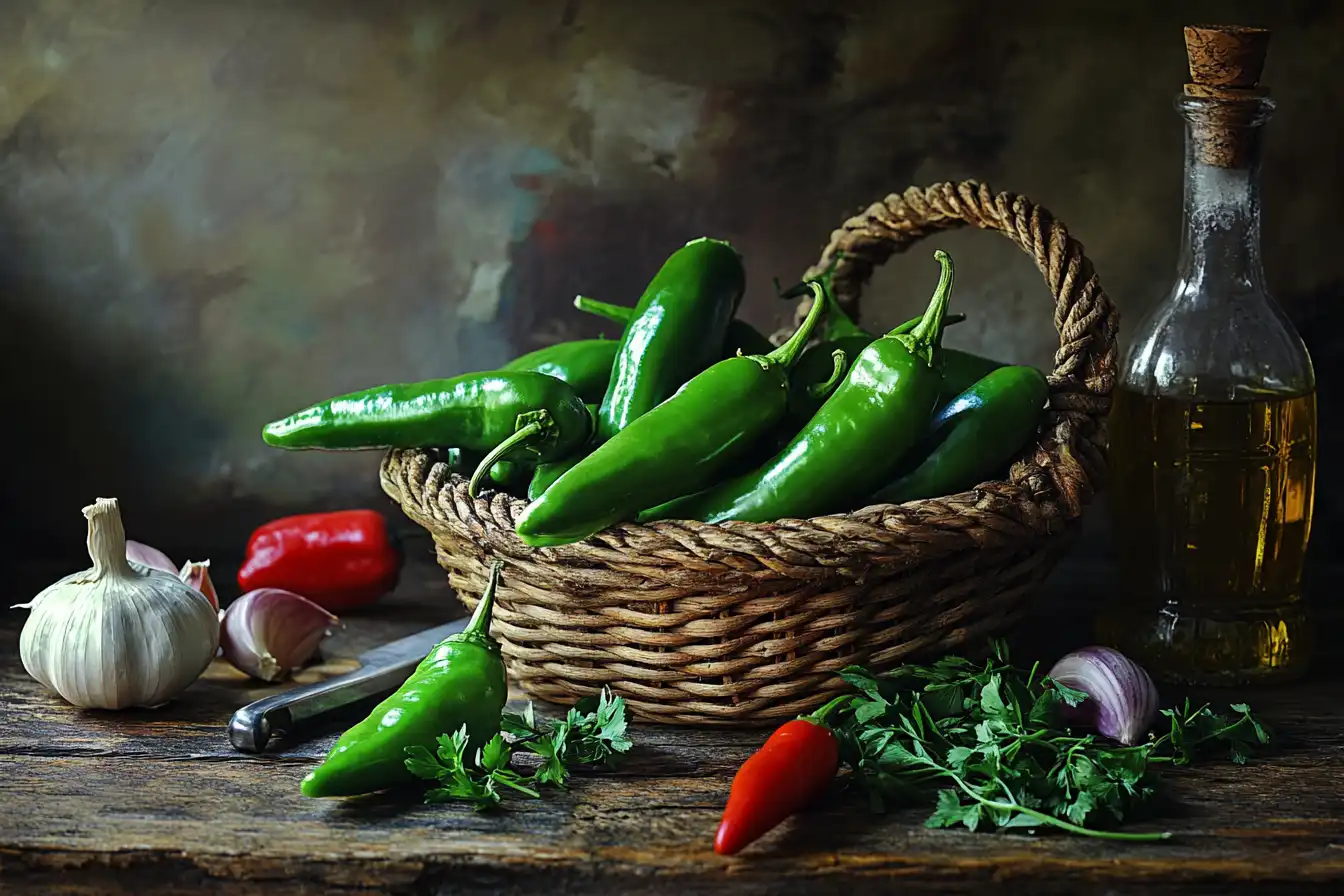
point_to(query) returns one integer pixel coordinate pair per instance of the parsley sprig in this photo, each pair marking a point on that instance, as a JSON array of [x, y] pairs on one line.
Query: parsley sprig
[[594, 732], [989, 738]]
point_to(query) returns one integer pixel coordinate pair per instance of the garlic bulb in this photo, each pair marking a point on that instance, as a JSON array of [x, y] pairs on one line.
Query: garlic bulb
[[116, 635], [269, 632]]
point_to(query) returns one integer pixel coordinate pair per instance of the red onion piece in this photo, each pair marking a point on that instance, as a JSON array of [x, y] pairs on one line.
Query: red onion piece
[[1122, 700], [269, 632], [136, 552]]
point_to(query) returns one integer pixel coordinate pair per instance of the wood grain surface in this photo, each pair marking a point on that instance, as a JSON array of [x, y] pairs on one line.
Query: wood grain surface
[[158, 802]]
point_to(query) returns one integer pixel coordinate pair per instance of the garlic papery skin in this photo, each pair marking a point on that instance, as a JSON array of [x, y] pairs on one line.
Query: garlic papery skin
[[196, 573], [117, 636], [144, 555], [270, 632]]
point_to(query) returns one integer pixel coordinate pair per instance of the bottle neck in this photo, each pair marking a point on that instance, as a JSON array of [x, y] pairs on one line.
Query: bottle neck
[[1220, 246]]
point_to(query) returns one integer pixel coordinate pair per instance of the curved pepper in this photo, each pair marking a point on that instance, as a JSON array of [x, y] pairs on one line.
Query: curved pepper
[[742, 337], [337, 560], [461, 682], [853, 444], [583, 363], [794, 767], [680, 447], [974, 435], [677, 331], [538, 415]]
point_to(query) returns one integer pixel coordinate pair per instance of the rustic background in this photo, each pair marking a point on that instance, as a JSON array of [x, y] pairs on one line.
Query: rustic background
[[214, 213]]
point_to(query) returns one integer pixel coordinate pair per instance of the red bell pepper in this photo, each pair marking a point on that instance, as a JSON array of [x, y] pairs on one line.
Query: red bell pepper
[[794, 767], [337, 560]]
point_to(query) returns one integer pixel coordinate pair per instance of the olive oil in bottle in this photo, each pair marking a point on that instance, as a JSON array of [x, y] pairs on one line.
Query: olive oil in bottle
[[1213, 425]]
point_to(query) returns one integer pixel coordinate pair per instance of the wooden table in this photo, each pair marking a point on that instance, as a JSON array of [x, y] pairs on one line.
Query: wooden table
[[158, 802]]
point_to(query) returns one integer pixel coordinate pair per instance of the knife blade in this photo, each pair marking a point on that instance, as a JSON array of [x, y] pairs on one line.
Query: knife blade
[[308, 707]]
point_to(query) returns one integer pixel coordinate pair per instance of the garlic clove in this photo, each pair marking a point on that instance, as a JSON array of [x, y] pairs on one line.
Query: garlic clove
[[120, 634], [270, 632], [1122, 700], [144, 555], [196, 574]]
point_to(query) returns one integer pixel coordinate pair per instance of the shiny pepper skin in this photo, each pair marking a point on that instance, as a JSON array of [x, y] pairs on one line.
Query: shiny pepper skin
[[337, 560], [793, 768], [680, 447], [461, 682], [852, 446]]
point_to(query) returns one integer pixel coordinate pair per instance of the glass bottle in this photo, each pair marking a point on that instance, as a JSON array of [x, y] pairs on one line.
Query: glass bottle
[[1213, 423]]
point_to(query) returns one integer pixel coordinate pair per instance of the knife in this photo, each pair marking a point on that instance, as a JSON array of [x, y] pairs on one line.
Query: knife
[[308, 707]]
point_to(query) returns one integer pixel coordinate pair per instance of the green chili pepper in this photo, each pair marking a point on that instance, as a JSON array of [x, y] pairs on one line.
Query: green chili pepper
[[973, 436], [813, 378], [742, 337], [678, 448], [583, 363], [546, 474], [531, 413], [853, 444], [677, 331], [959, 369], [511, 476], [461, 682]]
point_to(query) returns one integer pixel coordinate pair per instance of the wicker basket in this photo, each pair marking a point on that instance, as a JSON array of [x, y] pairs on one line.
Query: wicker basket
[[743, 623]]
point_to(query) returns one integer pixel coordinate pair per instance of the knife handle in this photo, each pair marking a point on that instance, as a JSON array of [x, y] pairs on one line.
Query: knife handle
[[300, 709]]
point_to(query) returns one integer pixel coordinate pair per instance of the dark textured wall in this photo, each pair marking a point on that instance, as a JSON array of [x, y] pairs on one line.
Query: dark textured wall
[[214, 213]]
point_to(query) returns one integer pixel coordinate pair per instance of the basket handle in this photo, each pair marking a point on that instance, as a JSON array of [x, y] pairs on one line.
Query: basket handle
[[1069, 461]]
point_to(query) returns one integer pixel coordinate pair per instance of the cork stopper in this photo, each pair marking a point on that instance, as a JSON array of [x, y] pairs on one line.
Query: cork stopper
[[1226, 59], [1225, 66]]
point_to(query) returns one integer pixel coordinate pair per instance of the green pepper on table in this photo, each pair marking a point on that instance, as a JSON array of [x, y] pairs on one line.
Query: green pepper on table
[[461, 682], [681, 446], [973, 436], [854, 443]]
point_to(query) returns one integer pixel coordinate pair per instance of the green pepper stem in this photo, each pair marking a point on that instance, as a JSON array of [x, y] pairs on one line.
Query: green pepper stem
[[925, 339], [619, 313], [818, 716], [823, 390], [479, 626], [788, 353], [949, 320], [522, 434], [839, 325]]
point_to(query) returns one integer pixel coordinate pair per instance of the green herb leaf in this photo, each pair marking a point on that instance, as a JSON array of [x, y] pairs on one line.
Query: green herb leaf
[[984, 742], [495, 754], [594, 732], [421, 763]]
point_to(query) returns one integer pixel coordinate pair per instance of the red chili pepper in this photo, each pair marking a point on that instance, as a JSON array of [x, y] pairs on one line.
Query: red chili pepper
[[336, 560], [793, 768]]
